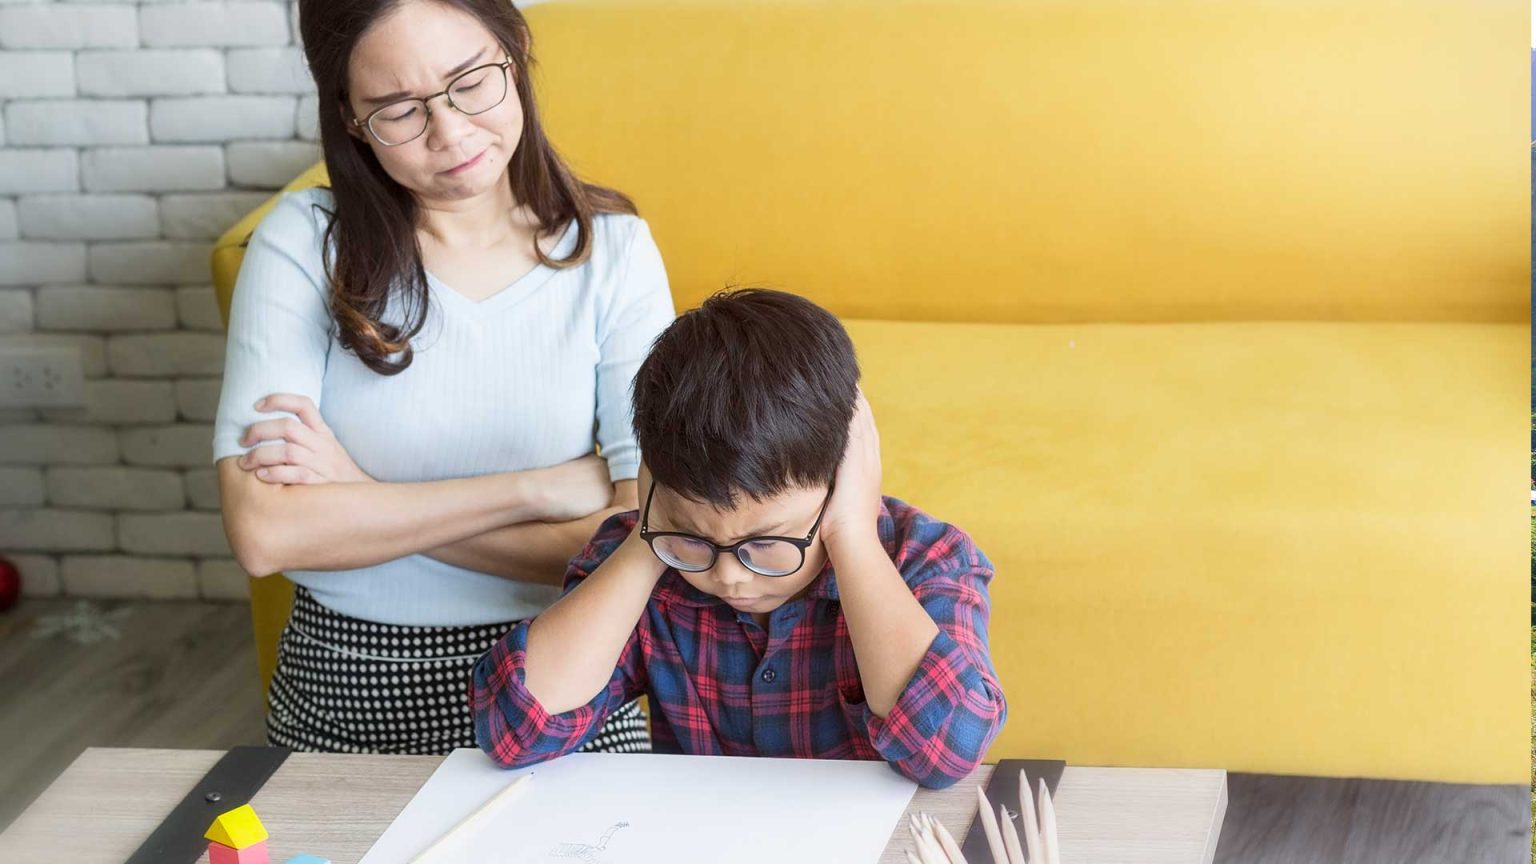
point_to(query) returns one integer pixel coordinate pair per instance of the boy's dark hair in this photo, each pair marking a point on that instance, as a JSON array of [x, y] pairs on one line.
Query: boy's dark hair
[[751, 393]]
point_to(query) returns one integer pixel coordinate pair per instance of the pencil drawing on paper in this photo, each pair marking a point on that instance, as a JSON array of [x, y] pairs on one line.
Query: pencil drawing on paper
[[586, 852]]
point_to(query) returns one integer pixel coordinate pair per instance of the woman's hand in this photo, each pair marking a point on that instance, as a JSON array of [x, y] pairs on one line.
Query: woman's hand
[[308, 453], [572, 490]]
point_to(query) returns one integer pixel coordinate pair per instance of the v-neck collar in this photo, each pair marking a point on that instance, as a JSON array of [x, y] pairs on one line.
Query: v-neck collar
[[516, 292]]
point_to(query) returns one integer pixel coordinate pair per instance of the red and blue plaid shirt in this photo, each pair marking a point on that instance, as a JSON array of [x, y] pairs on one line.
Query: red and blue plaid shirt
[[721, 685]]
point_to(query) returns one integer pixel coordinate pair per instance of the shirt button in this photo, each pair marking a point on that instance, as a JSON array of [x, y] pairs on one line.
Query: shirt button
[[768, 676]]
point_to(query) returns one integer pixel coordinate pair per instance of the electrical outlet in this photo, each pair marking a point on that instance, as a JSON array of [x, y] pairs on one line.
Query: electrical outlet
[[41, 376]]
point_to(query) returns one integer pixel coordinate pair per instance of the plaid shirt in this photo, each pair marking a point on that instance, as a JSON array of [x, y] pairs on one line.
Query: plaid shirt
[[721, 685]]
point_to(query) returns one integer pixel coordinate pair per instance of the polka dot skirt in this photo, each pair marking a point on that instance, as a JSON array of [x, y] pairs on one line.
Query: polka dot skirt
[[345, 685]]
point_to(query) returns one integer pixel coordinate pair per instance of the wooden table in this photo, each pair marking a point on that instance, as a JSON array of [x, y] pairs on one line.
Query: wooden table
[[109, 800]]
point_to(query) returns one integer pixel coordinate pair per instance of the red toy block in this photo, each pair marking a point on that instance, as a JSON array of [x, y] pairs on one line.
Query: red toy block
[[256, 853]]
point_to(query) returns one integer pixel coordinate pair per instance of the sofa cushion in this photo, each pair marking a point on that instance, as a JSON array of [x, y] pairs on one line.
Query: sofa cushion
[[1280, 547]]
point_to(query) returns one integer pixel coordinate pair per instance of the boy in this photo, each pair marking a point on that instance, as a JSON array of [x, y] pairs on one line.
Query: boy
[[771, 602]]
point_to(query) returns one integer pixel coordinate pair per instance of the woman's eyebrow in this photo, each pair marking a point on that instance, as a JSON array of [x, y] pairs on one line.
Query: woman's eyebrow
[[392, 97]]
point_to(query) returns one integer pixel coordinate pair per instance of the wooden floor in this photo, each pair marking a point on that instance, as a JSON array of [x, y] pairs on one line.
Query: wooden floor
[[183, 674]]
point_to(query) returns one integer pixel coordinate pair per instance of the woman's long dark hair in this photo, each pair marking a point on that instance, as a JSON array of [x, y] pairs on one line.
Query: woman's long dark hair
[[372, 231]]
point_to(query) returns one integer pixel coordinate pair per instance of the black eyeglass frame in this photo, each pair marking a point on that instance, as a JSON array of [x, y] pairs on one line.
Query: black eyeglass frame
[[801, 543], [426, 101]]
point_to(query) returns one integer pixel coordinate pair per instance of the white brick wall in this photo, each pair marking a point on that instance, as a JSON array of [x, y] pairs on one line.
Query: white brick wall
[[198, 309], [68, 25], [56, 122], [205, 217], [35, 263], [220, 118], [21, 487], [88, 217], [222, 24], [150, 262], [269, 164], [42, 530], [181, 446], [166, 72], [203, 488], [39, 575], [117, 401], [132, 134], [191, 534], [309, 118], [36, 74], [222, 579], [36, 444], [149, 169], [269, 70], [123, 576], [15, 311], [198, 398], [93, 350], [115, 488], [106, 309], [166, 355], [38, 170]]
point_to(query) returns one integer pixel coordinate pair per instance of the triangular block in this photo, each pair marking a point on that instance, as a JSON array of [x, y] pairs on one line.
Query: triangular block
[[237, 828]]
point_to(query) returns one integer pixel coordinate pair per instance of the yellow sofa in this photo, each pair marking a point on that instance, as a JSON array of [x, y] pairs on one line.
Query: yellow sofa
[[1208, 320]]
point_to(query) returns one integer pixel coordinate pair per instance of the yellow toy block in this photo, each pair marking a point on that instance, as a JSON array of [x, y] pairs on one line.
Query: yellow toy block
[[237, 829]]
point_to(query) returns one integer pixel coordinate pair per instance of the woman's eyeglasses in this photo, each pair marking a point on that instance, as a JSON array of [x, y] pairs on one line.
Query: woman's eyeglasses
[[474, 92]]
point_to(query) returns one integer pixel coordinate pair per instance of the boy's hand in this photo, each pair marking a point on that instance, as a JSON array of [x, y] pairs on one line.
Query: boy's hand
[[854, 509], [643, 482], [642, 489]]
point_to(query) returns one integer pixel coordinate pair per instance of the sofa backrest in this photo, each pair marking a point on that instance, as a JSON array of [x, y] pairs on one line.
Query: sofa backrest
[[1011, 161], [1052, 161]]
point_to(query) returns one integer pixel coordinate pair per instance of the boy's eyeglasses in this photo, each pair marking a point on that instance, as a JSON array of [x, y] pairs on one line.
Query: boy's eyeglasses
[[765, 556], [475, 92]]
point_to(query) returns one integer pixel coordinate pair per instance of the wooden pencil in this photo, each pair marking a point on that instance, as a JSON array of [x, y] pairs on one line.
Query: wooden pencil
[[989, 827], [948, 844], [1011, 843], [1031, 825], [1048, 827]]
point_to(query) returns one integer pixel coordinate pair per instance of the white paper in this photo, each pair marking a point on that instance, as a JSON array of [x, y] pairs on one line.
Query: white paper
[[637, 808]]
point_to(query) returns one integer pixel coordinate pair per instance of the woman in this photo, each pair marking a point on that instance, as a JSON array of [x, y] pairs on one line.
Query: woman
[[449, 328]]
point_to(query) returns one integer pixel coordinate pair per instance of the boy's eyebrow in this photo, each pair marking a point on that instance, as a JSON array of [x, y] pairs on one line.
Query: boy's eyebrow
[[400, 94], [688, 527]]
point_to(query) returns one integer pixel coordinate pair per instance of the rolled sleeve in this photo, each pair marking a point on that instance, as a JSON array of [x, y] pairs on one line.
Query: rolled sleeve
[[513, 727], [953, 706], [510, 724]]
